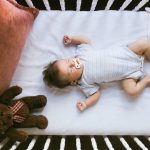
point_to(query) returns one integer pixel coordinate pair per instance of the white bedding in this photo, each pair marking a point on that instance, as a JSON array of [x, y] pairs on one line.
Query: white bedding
[[115, 113]]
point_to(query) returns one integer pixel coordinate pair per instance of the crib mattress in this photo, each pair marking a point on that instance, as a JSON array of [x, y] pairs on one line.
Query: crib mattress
[[115, 113]]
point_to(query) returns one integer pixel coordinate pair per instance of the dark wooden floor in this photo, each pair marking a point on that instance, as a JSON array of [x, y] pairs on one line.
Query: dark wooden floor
[[38, 143], [85, 5]]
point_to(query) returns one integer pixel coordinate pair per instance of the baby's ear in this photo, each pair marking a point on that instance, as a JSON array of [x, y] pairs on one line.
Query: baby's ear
[[73, 83]]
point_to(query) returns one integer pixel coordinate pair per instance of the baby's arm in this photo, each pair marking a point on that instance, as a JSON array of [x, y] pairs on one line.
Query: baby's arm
[[91, 100], [76, 40]]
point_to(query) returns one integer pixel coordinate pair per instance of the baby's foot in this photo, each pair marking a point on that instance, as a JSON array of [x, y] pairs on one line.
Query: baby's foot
[[67, 40]]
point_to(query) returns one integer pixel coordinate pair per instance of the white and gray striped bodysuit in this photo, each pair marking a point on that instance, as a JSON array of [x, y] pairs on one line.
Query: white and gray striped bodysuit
[[106, 65]]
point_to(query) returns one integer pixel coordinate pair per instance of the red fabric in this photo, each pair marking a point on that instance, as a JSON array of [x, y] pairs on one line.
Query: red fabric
[[15, 25], [15, 108]]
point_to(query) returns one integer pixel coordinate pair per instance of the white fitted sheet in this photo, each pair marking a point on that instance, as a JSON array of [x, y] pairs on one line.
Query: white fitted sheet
[[115, 113]]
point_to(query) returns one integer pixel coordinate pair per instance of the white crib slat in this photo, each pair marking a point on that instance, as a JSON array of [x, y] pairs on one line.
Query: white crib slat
[[3, 142], [94, 143], [139, 143], [78, 5], [140, 5], [109, 4], [62, 5], [62, 143], [16, 144], [108, 143], [46, 3], [125, 4], [125, 144], [148, 10], [93, 6], [31, 144], [47, 143], [148, 138], [30, 4], [78, 143]]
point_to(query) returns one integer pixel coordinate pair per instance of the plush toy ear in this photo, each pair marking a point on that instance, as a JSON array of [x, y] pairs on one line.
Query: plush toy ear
[[9, 94], [16, 135]]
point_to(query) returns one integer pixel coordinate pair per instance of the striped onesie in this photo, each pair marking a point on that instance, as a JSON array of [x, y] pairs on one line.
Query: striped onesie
[[107, 65]]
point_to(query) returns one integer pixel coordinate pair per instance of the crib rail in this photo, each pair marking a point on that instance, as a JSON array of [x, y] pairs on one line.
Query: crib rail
[[88, 5], [78, 143]]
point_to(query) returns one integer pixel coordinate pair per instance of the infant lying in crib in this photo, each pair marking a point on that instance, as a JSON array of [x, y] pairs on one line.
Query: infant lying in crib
[[91, 68]]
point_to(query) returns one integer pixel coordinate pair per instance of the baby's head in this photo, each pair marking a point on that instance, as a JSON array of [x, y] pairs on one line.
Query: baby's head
[[62, 73]]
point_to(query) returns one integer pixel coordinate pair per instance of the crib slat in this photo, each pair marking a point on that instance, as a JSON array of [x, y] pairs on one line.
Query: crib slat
[[46, 3], [117, 4], [125, 4], [131, 142], [116, 142], [62, 143], [16, 144], [140, 5], [125, 144], [8, 145], [2, 137], [94, 144], [148, 10], [139, 143], [31, 144], [3, 142], [86, 143], [108, 143], [78, 5], [40, 142], [62, 5], [145, 141], [30, 4], [78, 143], [39, 4], [101, 5], [55, 143], [54, 5], [24, 145], [47, 143], [93, 6], [70, 143], [109, 4], [100, 142]]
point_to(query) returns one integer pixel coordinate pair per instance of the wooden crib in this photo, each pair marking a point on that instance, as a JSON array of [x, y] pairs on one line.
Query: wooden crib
[[81, 142]]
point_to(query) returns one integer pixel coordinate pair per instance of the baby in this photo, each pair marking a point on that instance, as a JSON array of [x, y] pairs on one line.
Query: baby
[[91, 68]]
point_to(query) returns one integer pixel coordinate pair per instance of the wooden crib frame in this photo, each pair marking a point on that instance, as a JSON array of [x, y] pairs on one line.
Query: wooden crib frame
[[81, 142]]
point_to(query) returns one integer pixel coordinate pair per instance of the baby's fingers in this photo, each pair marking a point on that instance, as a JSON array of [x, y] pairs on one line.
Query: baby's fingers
[[80, 106], [67, 39]]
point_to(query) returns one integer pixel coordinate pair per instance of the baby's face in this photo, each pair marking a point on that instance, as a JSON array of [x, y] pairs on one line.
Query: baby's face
[[71, 69]]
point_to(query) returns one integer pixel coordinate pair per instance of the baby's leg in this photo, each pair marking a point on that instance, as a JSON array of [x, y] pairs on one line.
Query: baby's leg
[[141, 48], [133, 88]]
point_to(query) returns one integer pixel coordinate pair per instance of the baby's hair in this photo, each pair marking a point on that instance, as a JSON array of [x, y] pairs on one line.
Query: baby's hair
[[52, 76]]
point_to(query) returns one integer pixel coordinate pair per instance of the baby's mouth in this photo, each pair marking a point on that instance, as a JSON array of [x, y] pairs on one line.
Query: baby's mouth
[[77, 63]]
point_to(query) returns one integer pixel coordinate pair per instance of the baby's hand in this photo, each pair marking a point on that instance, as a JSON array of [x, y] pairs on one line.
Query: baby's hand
[[67, 39], [81, 106]]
